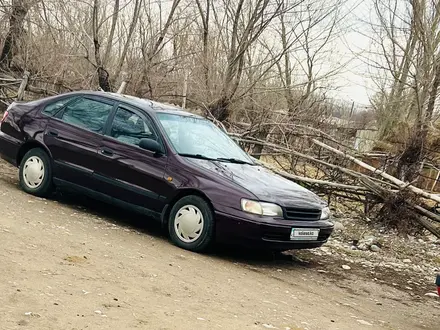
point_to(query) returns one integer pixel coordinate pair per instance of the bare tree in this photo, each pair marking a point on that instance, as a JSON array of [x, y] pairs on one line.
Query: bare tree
[[19, 10], [248, 23], [151, 44], [218, 50], [306, 45], [408, 40]]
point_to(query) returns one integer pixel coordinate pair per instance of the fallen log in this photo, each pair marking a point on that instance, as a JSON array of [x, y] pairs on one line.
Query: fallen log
[[426, 213], [402, 185], [429, 226], [347, 171], [383, 193]]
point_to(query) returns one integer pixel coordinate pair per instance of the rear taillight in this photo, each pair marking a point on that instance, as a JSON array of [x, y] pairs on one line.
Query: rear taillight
[[4, 116]]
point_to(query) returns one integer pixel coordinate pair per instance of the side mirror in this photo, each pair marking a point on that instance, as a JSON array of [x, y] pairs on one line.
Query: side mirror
[[151, 145]]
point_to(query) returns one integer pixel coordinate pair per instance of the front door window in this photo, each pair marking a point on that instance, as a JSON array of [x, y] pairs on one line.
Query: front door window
[[128, 127]]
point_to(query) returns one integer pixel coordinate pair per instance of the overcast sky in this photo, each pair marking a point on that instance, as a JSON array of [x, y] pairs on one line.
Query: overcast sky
[[355, 82]]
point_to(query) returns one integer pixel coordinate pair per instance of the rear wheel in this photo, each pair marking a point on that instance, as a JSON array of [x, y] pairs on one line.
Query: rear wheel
[[191, 224], [36, 173]]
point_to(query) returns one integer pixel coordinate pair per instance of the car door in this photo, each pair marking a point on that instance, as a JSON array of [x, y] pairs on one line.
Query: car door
[[128, 172], [73, 136]]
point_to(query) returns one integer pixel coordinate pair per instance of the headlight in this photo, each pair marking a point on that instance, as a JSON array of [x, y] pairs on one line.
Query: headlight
[[261, 208], [325, 213]]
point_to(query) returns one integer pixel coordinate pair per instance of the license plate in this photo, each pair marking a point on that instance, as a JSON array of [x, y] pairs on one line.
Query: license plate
[[304, 234]]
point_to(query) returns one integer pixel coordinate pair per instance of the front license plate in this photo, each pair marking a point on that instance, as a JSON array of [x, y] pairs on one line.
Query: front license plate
[[304, 234]]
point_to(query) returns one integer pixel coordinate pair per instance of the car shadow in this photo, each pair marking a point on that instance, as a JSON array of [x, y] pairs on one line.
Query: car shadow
[[293, 259], [110, 213], [230, 253]]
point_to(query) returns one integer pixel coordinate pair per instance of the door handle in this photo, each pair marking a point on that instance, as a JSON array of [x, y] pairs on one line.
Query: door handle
[[107, 152], [52, 133]]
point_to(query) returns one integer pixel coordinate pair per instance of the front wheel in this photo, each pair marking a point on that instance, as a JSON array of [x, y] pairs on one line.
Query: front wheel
[[191, 224], [36, 173]]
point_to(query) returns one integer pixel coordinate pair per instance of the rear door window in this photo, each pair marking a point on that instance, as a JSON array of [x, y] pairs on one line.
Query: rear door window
[[52, 108], [129, 127], [87, 113]]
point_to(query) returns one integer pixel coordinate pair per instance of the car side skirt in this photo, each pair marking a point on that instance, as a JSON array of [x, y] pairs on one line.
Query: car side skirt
[[106, 199]]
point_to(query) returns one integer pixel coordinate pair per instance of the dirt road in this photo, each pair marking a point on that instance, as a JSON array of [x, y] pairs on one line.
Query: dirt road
[[70, 267]]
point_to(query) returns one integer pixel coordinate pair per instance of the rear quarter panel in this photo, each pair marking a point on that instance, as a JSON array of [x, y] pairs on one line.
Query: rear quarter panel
[[24, 123]]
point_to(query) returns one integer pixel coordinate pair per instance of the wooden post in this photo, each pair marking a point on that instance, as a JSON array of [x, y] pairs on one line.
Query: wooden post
[[435, 181], [22, 88]]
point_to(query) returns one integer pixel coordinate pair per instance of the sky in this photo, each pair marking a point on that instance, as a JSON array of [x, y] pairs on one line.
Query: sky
[[356, 86]]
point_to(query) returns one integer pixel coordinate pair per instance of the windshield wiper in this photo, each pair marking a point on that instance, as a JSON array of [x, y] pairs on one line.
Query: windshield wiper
[[220, 159], [198, 156], [234, 160]]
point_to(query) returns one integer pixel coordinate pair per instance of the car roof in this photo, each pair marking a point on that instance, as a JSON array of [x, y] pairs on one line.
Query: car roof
[[145, 104]]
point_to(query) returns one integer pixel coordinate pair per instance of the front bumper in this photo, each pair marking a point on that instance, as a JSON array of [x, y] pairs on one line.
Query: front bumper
[[273, 234]]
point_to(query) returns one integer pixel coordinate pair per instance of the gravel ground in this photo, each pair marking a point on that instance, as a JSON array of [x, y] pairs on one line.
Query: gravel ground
[[71, 263]]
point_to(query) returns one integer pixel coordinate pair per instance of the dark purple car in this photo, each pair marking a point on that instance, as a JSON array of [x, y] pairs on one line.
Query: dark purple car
[[171, 165]]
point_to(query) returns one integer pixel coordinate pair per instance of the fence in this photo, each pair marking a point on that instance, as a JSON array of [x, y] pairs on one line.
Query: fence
[[28, 87]]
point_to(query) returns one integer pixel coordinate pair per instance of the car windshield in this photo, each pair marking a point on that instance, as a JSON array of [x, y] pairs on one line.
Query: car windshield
[[197, 137]]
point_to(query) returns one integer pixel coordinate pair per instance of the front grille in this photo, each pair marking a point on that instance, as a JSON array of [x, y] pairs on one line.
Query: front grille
[[292, 213]]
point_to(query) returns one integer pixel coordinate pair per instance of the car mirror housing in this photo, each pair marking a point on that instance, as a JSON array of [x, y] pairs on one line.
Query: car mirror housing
[[151, 145]]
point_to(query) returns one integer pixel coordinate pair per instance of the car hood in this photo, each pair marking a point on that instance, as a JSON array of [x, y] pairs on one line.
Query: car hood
[[263, 183]]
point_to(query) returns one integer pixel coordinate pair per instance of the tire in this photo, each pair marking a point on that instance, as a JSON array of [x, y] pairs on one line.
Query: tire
[[36, 173], [186, 217]]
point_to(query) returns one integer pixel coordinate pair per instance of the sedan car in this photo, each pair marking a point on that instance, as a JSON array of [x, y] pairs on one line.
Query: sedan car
[[173, 166]]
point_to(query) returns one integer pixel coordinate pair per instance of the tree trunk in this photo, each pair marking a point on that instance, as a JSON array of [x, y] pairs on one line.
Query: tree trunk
[[408, 164], [205, 23], [16, 21], [287, 69], [220, 109], [103, 76], [111, 36], [434, 92], [258, 148], [136, 12]]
